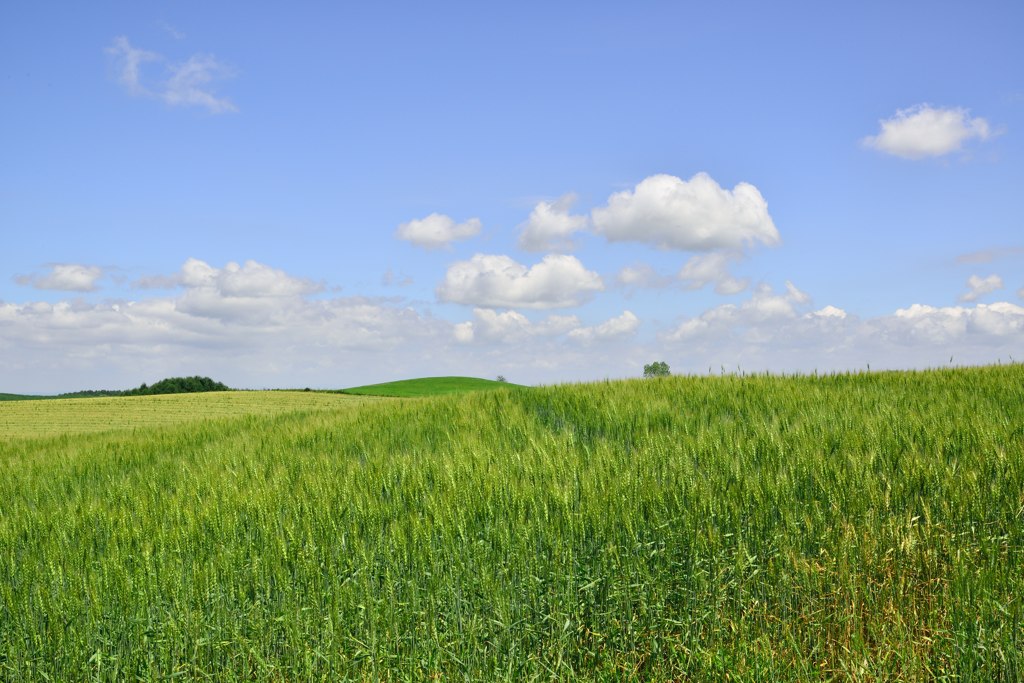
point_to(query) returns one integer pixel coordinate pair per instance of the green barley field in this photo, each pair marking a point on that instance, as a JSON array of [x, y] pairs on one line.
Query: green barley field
[[864, 527]]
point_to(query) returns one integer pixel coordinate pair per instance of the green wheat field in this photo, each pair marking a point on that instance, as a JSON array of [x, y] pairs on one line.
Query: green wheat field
[[865, 527]]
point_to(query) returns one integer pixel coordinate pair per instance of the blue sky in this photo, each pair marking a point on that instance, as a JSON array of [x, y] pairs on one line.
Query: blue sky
[[325, 195]]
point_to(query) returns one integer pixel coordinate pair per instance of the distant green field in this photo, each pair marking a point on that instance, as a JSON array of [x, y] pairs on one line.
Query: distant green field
[[863, 527], [64, 416], [428, 386]]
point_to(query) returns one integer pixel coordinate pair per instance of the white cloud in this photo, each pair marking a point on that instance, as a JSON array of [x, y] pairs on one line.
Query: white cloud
[[463, 332], [828, 312], [763, 306], [437, 230], [625, 324], [713, 268], [550, 226], [190, 83], [249, 280], [978, 287], [65, 277], [494, 281], [512, 327], [257, 280], [694, 215], [641, 275], [925, 131], [507, 326], [930, 325]]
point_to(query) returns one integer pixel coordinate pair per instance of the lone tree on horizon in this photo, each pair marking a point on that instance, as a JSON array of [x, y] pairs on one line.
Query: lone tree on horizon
[[658, 368]]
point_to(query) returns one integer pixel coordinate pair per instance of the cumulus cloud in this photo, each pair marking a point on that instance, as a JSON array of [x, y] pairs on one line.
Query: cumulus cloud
[[437, 230], [925, 131], [693, 215], [828, 312], [550, 226], [978, 287], [251, 279], [931, 325], [64, 277], [463, 332], [190, 83], [713, 268], [512, 327], [248, 280], [495, 281], [764, 306], [620, 326]]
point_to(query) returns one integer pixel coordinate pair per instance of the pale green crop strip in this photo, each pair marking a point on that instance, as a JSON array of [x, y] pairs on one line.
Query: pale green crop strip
[[853, 527], [20, 419]]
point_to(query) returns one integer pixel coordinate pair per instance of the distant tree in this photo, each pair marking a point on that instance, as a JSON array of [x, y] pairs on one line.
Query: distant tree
[[657, 369], [501, 378], [179, 385]]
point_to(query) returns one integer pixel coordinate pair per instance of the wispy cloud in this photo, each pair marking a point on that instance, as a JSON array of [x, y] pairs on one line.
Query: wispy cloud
[[64, 277], [129, 61], [988, 255], [641, 275], [172, 31], [190, 83]]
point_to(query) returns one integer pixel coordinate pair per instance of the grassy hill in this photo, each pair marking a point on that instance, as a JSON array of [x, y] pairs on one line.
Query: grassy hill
[[428, 386], [851, 527]]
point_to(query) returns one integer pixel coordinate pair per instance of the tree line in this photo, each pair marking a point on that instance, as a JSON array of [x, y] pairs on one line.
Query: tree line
[[170, 385]]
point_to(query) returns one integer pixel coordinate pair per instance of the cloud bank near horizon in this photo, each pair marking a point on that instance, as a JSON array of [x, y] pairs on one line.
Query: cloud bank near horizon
[[253, 325]]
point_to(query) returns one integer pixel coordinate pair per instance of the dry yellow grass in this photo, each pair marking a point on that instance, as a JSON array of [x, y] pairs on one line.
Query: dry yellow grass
[[29, 419]]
